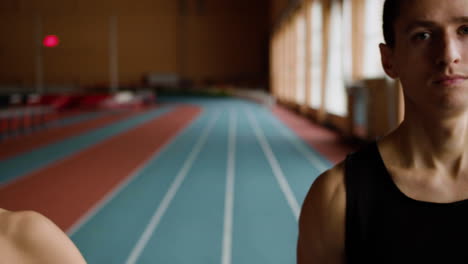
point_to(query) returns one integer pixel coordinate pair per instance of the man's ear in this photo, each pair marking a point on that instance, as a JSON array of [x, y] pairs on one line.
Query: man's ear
[[386, 54]]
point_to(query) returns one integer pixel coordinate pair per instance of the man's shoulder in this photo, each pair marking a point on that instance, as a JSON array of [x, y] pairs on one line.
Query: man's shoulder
[[329, 188], [332, 179], [19, 223], [321, 225], [25, 228], [34, 236], [16, 223]]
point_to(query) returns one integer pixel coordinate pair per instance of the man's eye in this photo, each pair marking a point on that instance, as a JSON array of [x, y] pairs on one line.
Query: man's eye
[[423, 36], [464, 30]]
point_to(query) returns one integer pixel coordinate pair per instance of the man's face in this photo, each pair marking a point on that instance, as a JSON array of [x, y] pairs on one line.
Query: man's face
[[431, 54]]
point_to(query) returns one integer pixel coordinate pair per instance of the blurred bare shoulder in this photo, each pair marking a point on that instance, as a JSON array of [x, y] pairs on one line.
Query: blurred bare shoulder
[[29, 237], [322, 220]]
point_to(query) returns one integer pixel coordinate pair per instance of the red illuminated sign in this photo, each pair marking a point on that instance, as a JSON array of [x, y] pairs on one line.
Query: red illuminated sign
[[50, 41]]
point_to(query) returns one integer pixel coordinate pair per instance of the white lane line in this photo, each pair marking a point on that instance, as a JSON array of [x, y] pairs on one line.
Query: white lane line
[[277, 171], [311, 157], [171, 192], [122, 185], [229, 198]]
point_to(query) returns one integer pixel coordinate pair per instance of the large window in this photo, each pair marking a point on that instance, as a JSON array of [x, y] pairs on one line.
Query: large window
[[315, 61], [300, 59], [373, 36], [335, 99]]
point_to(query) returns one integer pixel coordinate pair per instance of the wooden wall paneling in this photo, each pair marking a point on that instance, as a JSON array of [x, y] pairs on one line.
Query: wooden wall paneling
[[302, 61], [287, 60], [271, 70], [38, 55], [10, 7], [299, 59], [146, 44], [284, 63], [288, 54], [49, 7], [358, 22], [313, 113], [17, 49], [292, 51], [279, 60], [293, 58], [142, 7], [291, 61], [280, 64], [276, 65], [182, 37], [326, 5], [82, 55], [308, 56], [113, 53], [276, 9], [232, 42], [149, 32]]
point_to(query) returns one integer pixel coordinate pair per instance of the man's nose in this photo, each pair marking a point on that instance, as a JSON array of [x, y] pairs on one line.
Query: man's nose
[[448, 51]]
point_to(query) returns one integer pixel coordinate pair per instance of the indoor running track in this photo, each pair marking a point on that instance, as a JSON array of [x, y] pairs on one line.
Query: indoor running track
[[194, 181]]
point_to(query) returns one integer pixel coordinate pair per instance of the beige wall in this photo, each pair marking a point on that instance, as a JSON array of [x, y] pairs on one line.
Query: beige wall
[[207, 39]]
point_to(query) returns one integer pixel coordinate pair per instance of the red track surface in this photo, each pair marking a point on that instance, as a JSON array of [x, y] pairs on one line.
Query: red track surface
[[25, 143], [324, 141], [67, 190]]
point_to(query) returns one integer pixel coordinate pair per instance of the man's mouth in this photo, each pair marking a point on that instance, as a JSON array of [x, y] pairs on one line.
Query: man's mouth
[[448, 80]]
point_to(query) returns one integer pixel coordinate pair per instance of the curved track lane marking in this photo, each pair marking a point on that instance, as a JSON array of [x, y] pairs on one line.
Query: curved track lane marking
[[277, 171], [171, 192]]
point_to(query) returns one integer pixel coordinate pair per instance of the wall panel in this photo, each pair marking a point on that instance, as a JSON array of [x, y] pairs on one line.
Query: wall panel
[[82, 55], [226, 47], [219, 40], [146, 44], [16, 49]]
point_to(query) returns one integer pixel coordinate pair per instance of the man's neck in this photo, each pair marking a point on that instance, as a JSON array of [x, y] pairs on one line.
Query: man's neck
[[434, 142]]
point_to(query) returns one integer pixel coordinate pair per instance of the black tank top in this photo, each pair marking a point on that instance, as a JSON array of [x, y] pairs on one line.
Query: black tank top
[[383, 225]]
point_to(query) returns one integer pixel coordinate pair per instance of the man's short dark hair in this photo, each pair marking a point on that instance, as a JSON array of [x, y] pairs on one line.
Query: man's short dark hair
[[391, 12]]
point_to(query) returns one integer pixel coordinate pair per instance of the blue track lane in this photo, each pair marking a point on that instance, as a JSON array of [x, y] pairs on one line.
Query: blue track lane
[[191, 229], [299, 171], [110, 235], [18, 166], [265, 230], [193, 224]]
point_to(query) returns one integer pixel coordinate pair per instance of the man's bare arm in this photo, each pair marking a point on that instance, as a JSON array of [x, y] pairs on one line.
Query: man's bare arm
[[322, 220]]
